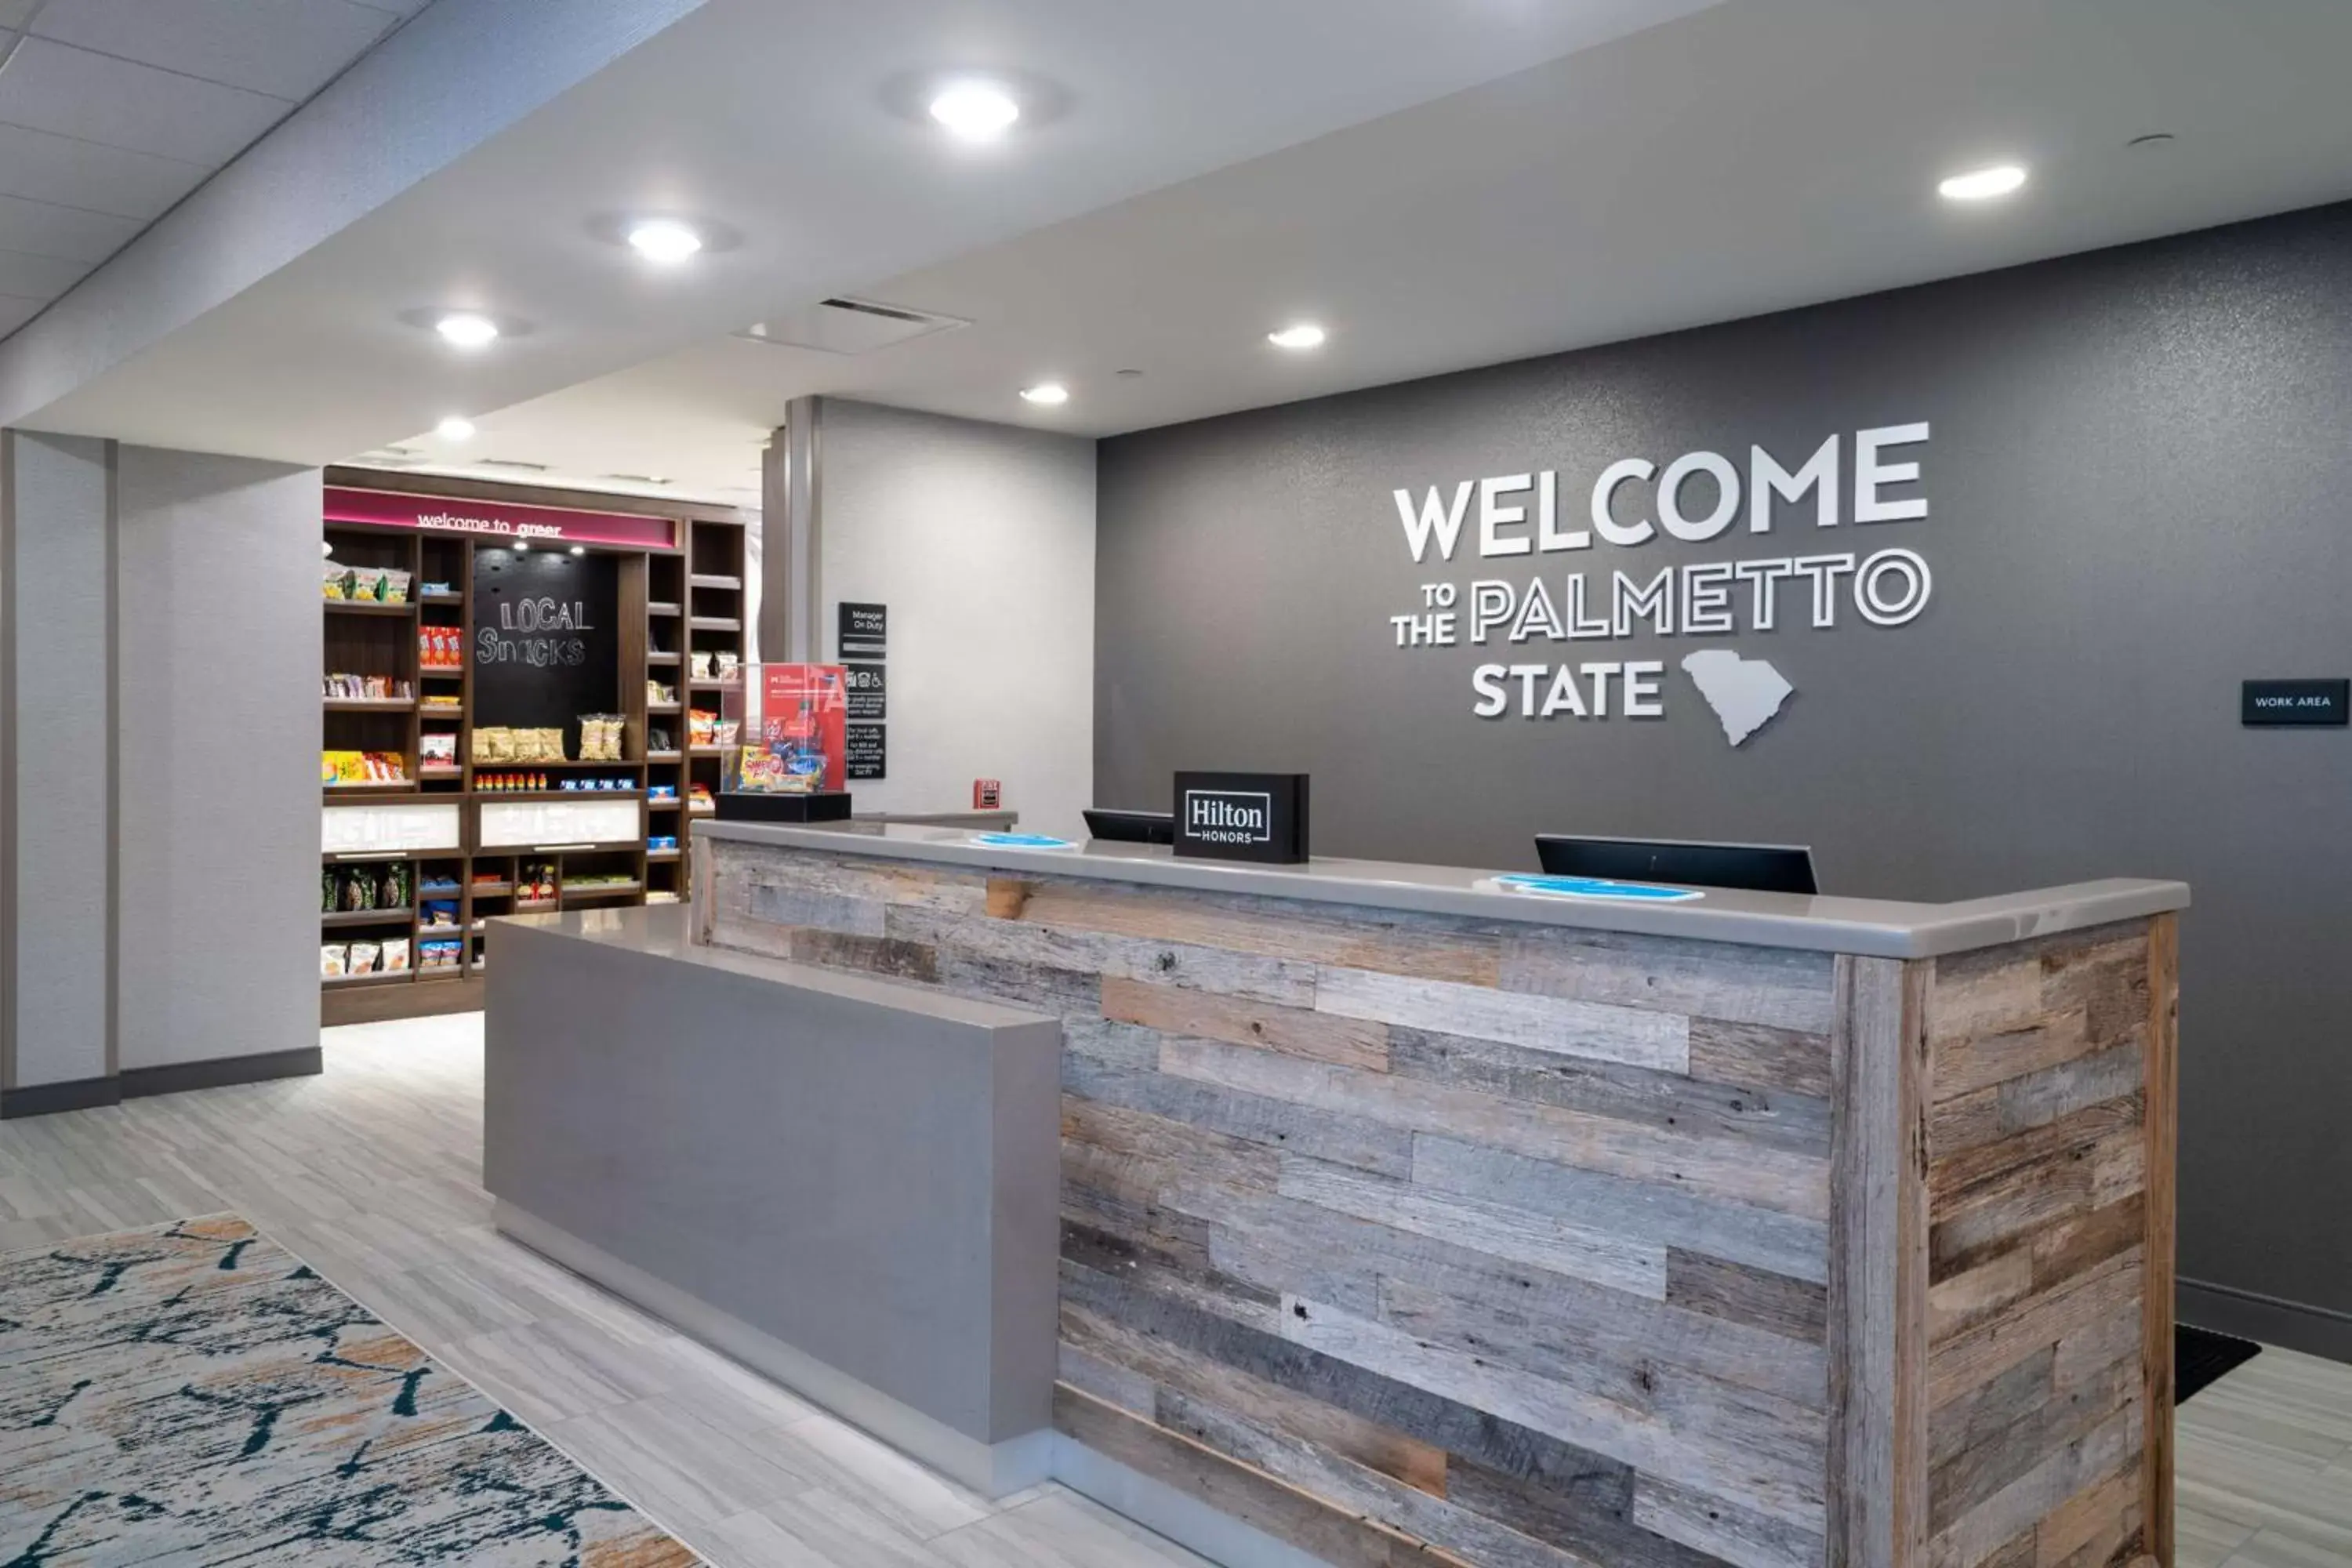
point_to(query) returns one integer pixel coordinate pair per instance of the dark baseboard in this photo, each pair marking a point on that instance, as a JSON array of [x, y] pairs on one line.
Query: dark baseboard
[[222, 1072], [49, 1098], [137, 1083], [2314, 1330]]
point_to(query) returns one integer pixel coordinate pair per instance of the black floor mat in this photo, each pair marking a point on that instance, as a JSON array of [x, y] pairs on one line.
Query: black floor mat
[[2200, 1357]]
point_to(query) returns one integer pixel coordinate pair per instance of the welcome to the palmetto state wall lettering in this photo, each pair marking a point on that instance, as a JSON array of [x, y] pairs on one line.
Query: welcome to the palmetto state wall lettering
[[1885, 587]]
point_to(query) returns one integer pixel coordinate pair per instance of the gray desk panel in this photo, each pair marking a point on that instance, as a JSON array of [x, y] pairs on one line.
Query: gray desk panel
[[863, 1173]]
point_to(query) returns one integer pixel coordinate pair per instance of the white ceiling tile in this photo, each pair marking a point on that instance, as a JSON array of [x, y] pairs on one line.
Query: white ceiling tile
[[44, 228], [14, 12], [52, 86], [14, 313], [288, 49], [48, 168], [38, 276]]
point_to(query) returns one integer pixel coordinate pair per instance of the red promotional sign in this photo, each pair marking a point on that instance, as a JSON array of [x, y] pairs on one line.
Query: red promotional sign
[[497, 520], [804, 713]]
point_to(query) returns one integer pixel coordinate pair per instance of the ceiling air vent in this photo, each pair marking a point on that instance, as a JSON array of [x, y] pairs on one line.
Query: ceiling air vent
[[517, 464], [850, 327]]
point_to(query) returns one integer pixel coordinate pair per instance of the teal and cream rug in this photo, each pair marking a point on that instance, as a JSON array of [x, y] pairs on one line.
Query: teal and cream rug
[[193, 1394]]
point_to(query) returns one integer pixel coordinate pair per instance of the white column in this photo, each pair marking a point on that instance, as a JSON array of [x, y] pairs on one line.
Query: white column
[[58, 783]]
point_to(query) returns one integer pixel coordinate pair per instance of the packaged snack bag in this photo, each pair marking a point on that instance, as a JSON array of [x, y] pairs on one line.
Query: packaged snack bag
[[337, 580], [362, 959], [395, 956], [333, 958], [395, 586], [701, 663]]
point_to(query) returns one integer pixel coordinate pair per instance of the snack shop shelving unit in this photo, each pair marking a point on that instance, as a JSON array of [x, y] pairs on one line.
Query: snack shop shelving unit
[[451, 829]]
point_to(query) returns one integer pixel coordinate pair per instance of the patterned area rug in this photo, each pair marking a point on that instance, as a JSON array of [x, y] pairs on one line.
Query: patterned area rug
[[194, 1395]]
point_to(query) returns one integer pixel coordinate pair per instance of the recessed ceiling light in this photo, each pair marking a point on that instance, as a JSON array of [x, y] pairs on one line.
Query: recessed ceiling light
[[466, 330], [456, 427], [665, 240], [1049, 393], [579, 550], [1304, 335], [523, 547], [975, 110], [1982, 184]]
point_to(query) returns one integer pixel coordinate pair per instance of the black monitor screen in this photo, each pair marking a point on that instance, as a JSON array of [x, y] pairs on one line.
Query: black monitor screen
[[1758, 868], [1132, 826]]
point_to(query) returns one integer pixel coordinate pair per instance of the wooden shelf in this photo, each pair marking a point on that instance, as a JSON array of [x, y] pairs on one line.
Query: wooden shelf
[[339, 981], [528, 795], [673, 603], [602, 890], [340, 918]]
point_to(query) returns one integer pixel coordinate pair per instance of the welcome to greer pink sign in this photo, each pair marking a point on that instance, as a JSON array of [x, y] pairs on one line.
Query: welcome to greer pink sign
[[501, 520]]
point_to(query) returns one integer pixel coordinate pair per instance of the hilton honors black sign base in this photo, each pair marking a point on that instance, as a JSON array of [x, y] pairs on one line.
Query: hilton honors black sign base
[[1260, 817]]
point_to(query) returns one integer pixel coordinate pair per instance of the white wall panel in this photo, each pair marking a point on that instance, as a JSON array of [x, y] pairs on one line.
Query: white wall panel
[[220, 642], [981, 538], [58, 584]]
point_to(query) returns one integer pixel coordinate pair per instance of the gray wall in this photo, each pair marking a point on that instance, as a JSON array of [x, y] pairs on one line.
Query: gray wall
[[60, 660], [981, 540], [2141, 487], [219, 838]]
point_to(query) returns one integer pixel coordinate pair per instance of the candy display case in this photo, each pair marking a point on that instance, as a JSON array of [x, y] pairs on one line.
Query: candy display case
[[781, 732]]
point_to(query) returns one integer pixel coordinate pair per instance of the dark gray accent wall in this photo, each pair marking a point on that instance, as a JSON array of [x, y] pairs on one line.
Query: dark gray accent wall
[[2140, 477]]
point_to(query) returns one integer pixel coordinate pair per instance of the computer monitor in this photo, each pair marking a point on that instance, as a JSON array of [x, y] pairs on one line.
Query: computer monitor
[[1758, 868], [1132, 826]]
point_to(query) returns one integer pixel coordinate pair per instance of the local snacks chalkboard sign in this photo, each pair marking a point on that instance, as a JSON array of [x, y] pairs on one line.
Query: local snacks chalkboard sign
[[546, 641]]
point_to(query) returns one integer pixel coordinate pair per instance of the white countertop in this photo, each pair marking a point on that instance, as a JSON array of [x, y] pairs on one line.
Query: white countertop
[[1873, 927]]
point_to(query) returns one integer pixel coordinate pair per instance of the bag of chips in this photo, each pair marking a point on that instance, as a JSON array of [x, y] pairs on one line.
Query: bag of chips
[[395, 956], [332, 959], [363, 960]]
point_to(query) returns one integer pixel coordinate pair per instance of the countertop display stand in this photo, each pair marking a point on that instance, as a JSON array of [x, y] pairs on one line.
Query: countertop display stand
[[674, 602]]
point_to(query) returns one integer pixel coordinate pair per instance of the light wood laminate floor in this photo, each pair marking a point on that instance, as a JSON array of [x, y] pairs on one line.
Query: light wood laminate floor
[[372, 1173]]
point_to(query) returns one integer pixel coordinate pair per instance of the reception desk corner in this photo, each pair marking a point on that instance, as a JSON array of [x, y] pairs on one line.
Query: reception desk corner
[[1406, 1219]]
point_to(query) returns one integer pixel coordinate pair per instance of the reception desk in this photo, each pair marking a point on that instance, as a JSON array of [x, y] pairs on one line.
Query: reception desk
[[1408, 1219]]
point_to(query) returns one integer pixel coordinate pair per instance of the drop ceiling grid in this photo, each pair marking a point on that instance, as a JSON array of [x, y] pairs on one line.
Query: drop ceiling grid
[[112, 111]]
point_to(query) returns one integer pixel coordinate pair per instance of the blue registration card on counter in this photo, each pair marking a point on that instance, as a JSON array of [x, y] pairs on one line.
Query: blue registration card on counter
[[1021, 841], [1595, 888]]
